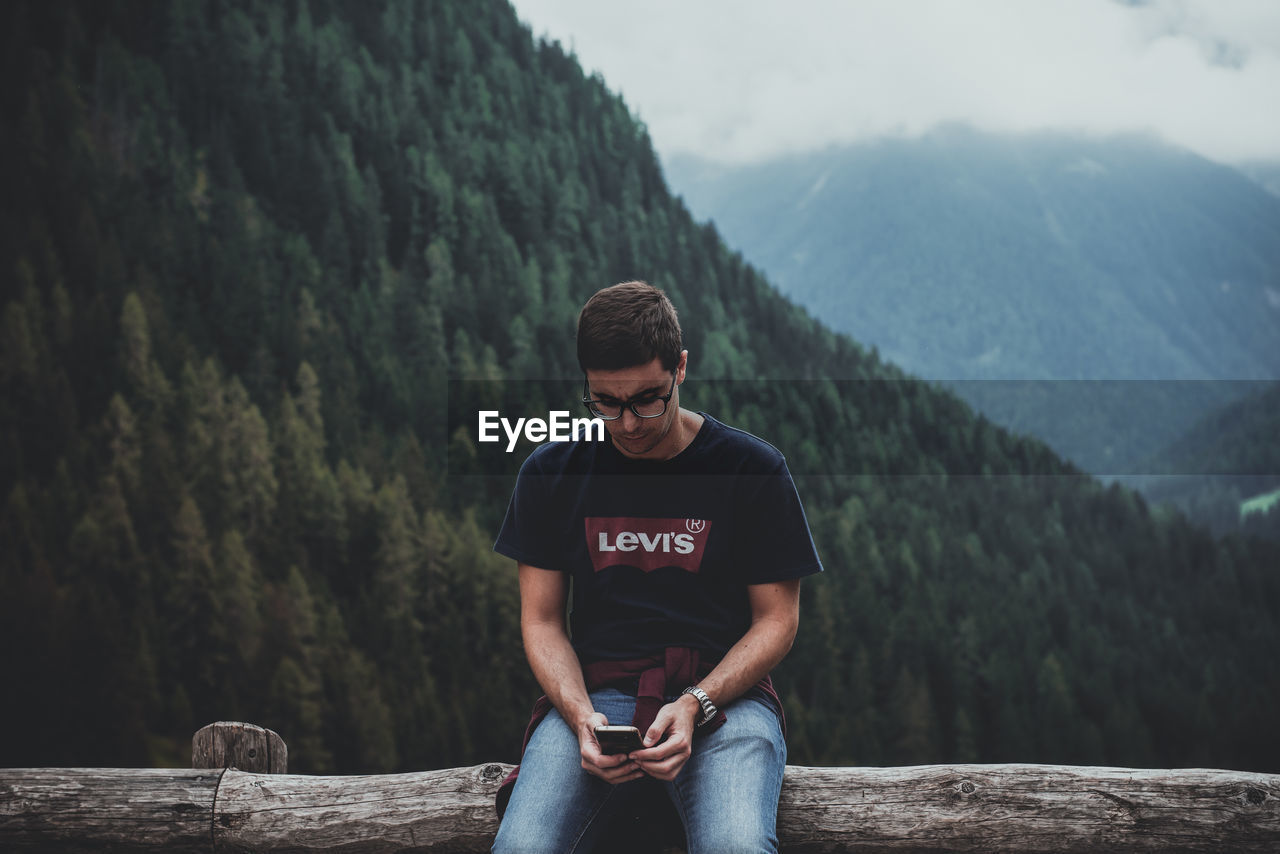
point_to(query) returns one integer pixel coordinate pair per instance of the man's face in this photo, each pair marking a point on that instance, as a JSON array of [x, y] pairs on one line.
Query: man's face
[[636, 437]]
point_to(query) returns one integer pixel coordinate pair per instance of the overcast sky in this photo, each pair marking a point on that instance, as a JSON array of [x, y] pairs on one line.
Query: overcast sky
[[739, 80]]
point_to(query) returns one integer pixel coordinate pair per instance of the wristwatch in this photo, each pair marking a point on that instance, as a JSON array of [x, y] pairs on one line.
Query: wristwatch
[[709, 710]]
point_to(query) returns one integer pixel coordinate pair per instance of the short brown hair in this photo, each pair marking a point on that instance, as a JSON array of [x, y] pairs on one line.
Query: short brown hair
[[628, 325]]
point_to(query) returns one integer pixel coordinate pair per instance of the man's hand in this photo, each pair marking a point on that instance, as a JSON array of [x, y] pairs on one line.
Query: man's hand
[[612, 769], [664, 759]]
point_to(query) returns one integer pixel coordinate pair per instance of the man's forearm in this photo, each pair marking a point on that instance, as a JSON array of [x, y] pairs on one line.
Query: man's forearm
[[764, 645], [747, 662], [558, 671], [556, 667]]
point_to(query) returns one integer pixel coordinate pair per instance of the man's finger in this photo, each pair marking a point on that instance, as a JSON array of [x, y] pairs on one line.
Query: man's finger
[[619, 774], [657, 729], [673, 745], [666, 769], [607, 760], [626, 778]]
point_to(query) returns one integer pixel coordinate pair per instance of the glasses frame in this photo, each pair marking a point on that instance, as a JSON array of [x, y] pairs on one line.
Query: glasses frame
[[587, 401]]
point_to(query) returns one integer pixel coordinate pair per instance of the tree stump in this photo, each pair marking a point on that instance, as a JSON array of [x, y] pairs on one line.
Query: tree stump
[[230, 744]]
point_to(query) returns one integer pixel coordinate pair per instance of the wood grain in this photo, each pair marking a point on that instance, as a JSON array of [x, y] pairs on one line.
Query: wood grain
[[1046, 808], [993, 808], [231, 744], [106, 809], [448, 810]]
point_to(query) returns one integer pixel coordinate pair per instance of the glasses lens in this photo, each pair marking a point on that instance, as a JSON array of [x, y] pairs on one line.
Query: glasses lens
[[651, 408], [607, 411]]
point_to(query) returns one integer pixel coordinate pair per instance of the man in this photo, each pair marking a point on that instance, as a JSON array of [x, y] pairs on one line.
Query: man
[[683, 542]]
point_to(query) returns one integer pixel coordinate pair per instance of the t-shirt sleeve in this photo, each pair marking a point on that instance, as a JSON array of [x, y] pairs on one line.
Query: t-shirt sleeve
[[525, 532], [774, 543]]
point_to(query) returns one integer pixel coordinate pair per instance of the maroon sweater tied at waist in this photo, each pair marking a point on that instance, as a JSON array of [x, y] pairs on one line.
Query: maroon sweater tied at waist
[[652, 679]]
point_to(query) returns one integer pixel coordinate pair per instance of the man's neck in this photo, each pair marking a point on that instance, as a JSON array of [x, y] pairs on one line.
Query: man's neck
[[688, 425]]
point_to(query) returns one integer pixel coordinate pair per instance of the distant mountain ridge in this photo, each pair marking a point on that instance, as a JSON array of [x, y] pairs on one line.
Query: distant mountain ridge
[[1265, 173], [1008, 265], [963, 255]]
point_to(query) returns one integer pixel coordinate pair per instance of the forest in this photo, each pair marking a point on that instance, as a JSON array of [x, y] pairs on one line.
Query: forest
[[256, 259], [1228, 457]]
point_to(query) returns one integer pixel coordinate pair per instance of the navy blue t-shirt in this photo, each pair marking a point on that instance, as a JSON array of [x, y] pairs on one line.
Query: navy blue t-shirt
[[660, 552]]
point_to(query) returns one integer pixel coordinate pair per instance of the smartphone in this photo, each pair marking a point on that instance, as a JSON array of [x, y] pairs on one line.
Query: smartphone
[[618, 739]]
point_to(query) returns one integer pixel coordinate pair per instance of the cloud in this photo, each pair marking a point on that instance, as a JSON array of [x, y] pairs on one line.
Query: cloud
[[750, 79]]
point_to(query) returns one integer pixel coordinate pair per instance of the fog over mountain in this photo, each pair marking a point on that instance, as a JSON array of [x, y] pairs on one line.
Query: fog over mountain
[[1265, 173], [738, 81], [991, 260], [964, 255]]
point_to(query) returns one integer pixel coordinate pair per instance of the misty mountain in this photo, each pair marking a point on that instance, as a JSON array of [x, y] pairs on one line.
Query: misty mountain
[[1265, 173], [969, 256]]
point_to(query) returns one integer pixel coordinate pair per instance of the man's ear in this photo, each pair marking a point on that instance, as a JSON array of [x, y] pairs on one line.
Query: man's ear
[[681, 366]]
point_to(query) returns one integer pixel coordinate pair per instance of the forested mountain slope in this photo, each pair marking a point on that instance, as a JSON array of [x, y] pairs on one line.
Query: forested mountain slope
[[244, 248], [1229, 457]]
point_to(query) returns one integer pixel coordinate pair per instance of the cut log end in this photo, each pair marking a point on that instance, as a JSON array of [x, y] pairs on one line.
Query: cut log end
[[231, 744]]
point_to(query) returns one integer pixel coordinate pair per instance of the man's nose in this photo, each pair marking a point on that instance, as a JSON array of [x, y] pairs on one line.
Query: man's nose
[[630, 421]]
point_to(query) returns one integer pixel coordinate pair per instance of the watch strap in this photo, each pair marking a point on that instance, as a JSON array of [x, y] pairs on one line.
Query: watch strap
[[709, 710]]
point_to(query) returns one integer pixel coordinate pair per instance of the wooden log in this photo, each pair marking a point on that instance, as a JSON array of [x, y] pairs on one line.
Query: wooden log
[[230, 744], [106, 809], [450, 810], [1008, 808], [996, 808]]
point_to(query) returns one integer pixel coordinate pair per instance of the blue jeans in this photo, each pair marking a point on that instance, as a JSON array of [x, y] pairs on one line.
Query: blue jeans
[[726, 794]]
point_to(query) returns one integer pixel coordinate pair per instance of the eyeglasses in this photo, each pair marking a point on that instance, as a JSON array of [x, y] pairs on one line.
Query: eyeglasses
[[643, 407]]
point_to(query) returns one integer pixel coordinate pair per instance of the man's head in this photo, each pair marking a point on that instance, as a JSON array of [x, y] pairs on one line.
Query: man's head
[[629, 349], [628, 325]]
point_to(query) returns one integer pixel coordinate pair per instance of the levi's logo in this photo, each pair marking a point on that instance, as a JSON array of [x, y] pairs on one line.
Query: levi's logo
[[646, 544]]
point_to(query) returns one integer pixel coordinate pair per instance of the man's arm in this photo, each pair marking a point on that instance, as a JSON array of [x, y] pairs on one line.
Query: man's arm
[[556, 667], [775, 617]]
